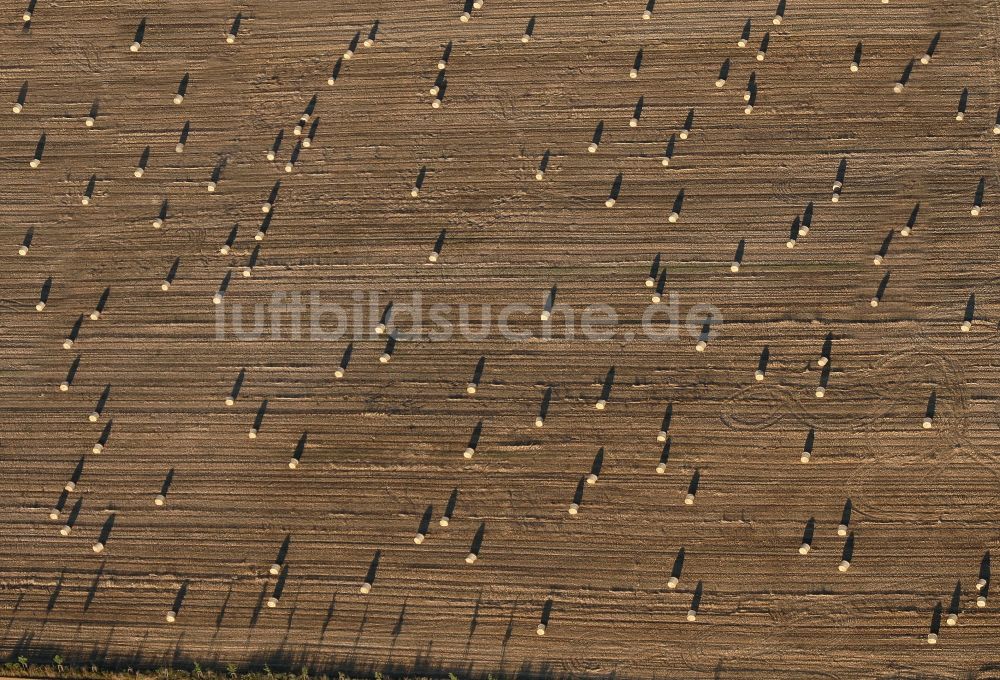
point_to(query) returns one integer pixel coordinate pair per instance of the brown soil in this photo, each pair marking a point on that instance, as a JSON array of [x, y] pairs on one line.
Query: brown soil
[[386, 441]]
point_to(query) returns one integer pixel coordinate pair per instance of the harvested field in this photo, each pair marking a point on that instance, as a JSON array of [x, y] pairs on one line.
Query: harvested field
[[907, 432]]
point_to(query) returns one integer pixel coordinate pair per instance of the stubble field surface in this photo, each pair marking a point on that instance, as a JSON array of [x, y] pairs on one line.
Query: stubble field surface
[[386, 440]]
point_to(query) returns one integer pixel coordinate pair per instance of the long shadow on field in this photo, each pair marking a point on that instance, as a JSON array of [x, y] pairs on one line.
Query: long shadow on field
[[92, 592], [329, 617], [257, 607], [55, 591], [474, 622]]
